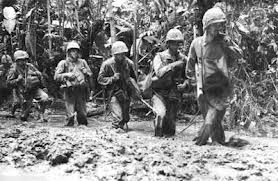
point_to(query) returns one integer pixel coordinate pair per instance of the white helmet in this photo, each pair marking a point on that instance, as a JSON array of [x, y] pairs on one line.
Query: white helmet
[[6, 59], [213, 15], [119, 47], [20, 54], [174, 35], [73, 45]]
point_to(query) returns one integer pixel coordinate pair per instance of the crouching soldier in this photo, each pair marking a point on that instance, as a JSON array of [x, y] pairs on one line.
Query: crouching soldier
[[115, 73], [208, 58], [168, 66], [27, 81], [6, 60], [73, 74]]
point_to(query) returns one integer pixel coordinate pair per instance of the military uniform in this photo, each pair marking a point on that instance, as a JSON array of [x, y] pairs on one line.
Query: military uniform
[[118, 90], [166, 96], [214, 86], [5, 91], [75, 90], [28, 88], [5, 64]]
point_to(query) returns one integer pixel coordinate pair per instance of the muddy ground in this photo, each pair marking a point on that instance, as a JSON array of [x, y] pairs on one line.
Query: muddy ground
[[48, 151]]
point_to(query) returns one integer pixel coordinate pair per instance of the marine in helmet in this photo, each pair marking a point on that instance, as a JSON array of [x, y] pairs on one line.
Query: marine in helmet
[[208, 59], [28, 84], [115, 73], [168, 68], [5, 64], [73, 74]]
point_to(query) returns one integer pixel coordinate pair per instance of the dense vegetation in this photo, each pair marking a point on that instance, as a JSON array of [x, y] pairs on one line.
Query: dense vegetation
[[252, 24]]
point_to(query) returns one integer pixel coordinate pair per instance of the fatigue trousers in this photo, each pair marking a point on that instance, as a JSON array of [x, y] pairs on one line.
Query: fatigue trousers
[[120, 111], [37, 94], [213, 116], [166, 115], [18, 100], [75, 101]]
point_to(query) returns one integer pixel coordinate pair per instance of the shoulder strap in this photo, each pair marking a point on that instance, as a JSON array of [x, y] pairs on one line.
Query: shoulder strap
[[200, 69], [200, 59]]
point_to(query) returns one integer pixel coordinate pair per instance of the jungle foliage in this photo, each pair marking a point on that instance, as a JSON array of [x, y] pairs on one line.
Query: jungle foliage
[[252, 24]]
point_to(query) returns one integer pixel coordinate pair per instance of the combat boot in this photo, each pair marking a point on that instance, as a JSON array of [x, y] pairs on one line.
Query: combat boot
[[22, 118], [70, 122], [12, 114], [82, 120]]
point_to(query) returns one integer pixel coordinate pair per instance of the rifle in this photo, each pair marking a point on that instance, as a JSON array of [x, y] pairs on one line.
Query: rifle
[[199, 78], [137, 93], [199, 72]]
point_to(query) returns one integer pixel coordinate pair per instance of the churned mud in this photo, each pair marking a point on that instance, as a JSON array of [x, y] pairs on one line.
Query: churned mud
[[49, 151]]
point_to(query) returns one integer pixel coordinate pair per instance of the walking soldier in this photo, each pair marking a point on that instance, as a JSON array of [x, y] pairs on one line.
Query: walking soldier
[[73, 74], [208, 58], [168, 66], [116, 73]]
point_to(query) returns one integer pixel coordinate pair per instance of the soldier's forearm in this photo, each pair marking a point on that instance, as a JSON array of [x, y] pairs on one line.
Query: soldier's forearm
[[89, 73], [105, 80], [162, 71], [177, 64], [59, 77]]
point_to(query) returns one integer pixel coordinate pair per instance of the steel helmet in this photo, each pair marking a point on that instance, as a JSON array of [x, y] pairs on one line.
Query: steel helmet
[[213, 15], [73, 45], [119, 47], [174, 35], [20, 54], [6, 59]]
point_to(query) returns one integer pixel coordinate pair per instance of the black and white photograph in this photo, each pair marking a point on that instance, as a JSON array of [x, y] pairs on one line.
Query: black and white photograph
[[138, 90]]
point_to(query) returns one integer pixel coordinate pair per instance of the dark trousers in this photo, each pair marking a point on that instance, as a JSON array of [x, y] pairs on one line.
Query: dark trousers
[[166, 115], [75, 101], [213, 117], [119, 106], [37, 94]]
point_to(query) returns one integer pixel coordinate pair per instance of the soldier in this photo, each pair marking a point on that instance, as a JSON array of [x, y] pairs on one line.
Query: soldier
[[73, 74], [28, 84], [208, 58], [5, 64], [167, 68], [115, 73]]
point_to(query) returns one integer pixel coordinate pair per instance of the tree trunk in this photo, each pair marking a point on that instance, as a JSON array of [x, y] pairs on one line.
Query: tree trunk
[[135, 54], [49, 28], [112, 23]]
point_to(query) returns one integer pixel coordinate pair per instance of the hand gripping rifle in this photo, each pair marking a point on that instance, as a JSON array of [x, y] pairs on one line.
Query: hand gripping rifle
[[136, 93]]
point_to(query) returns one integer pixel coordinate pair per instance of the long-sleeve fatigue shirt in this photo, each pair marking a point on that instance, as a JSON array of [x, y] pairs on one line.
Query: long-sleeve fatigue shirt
[[67, 66], [163, 64], [24, 71], [109, 68], [215, 55]]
